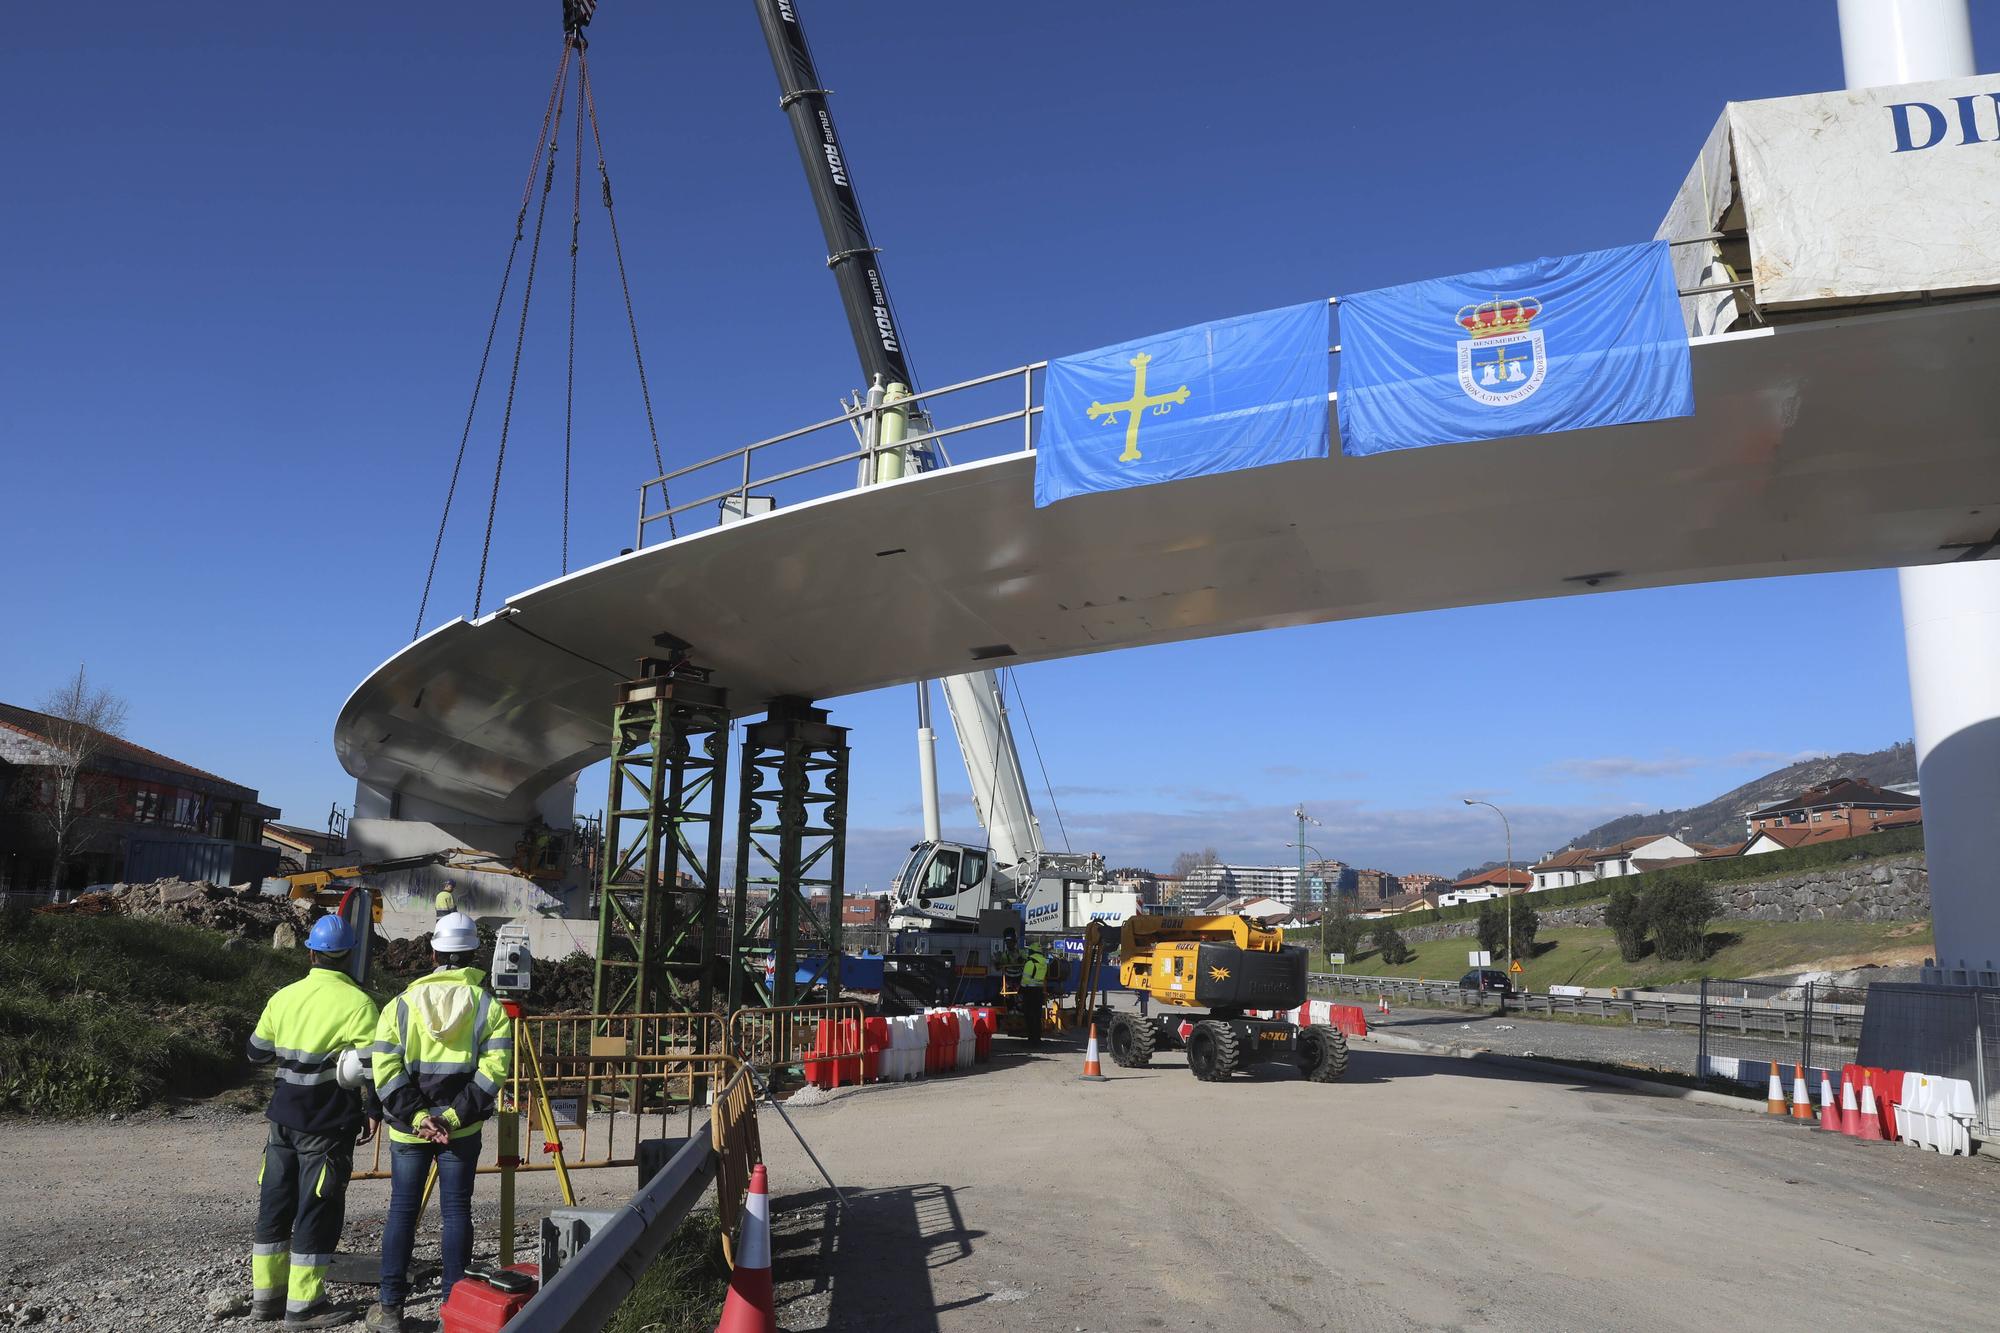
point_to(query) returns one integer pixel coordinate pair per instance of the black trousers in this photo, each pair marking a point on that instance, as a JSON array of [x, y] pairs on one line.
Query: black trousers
[[300, 1212], [1034, 1001]]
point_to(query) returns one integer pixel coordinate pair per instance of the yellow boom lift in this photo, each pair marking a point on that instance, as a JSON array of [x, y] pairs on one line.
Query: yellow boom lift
[[1225, 965]]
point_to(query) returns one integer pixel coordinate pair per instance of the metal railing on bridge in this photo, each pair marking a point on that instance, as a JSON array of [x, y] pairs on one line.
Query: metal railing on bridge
[[998, 414]]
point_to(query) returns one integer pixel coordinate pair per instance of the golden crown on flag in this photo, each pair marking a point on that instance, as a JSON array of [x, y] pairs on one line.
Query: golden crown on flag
[[1502, 314]]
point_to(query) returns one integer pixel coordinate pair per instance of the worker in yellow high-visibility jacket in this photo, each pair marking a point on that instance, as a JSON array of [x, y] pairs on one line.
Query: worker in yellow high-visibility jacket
[[442, 1050], [446, 902], [316, 1111]]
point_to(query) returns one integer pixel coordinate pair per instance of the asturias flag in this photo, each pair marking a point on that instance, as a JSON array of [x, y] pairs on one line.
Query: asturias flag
[[1237, 393], [1554, 344]]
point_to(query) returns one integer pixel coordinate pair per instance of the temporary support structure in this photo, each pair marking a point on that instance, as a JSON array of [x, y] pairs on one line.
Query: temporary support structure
[[791, 839], [657, 903]]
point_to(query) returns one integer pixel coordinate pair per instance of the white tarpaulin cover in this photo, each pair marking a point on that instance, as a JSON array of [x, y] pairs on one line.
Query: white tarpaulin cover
[[1877, 192]]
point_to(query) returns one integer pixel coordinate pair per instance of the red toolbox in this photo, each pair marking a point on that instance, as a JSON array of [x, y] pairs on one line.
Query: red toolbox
[[477, 1306]]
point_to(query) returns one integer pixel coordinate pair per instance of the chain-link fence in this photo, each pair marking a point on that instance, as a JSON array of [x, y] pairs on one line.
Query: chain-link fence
[[1749, 1028], [1944, 1031]]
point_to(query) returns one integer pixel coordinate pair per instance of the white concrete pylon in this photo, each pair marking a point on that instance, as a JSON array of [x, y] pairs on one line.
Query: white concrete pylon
[[1951, 613]]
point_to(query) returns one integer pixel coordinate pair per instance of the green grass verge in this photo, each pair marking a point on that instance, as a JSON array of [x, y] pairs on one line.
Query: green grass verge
[[112, 1013], [1588, 956], [683, 1289]]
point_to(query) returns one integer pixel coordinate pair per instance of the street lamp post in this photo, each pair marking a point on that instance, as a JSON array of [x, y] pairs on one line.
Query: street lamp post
[[1507, 887], [1299, 813], [1305, 847]]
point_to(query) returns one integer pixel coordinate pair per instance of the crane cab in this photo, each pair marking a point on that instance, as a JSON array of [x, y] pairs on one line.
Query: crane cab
[[942, 881]]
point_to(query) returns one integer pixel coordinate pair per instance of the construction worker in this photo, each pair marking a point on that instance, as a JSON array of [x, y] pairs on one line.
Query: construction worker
[[1034, 990], [446, 901], [442, 1050], [315, 1114]]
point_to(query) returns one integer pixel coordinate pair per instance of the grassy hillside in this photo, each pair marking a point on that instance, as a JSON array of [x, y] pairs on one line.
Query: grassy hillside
[[111, 1013], [1587, 956]]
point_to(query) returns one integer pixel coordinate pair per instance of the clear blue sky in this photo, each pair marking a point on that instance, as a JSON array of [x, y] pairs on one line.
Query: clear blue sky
[[250, 253]]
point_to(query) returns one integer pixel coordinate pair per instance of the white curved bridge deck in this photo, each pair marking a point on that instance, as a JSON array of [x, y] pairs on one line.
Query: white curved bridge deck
[[1858, 442]]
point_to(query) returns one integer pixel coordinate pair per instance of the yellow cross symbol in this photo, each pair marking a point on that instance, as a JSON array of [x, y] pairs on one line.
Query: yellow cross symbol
[[1161, 403]]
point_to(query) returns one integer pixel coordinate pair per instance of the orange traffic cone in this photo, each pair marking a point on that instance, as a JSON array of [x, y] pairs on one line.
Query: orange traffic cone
[[752, 1305], [1850, 1113], [1871, 1119], [1774, 1099], [1801, 1099], [1829, 1114], [1382, 1004], [1092, 1070]]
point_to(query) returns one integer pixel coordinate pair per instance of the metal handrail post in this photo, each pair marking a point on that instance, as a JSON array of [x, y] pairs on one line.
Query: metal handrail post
[[639, 535]]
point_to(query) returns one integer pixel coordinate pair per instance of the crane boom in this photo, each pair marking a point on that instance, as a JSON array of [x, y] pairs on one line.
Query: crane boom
[[978, 709], [850, 255], [999, 785]]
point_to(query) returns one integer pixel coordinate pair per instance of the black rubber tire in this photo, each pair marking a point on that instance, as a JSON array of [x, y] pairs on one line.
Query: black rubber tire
[[1212, 1051], [1322, 1054], [1132, 1041]]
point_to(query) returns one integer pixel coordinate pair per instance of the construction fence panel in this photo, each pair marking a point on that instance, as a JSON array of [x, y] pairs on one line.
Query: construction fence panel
[[732, 1127], [1944, 1031], [609, 1080], [779, 1038]]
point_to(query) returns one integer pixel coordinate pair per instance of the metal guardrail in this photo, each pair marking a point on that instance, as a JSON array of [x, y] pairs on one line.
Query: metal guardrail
[[800, 453], [586, 1292], [1785, 1020]]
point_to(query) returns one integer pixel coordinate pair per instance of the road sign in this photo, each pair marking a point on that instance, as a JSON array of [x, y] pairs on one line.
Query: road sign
[[1517, 966], [1337, 958], [1478, 958]]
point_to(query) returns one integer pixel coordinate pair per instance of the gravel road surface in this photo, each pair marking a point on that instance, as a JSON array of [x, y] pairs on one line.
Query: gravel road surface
[[1423, 1192]]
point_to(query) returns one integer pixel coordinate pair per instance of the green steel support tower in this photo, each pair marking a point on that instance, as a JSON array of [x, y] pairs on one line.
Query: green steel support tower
[[657, 916], [791, 840]]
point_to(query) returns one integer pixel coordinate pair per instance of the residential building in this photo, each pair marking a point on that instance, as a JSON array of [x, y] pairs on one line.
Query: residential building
[[1635, 856], [1859, 806], [1563, 869], [1239, 881], [1420, 884], [1494, 882], [1373, 888], [302, 848], [148, 816]]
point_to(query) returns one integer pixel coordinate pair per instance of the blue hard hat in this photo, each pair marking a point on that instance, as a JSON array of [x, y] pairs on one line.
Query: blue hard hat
[[330, 934]]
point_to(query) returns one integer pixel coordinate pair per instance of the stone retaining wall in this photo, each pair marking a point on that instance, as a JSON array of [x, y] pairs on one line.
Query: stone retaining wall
[[1893, 888]]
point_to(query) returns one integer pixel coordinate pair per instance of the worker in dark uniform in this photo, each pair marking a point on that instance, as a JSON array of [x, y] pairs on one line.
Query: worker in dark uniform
[[1034, 990], [310, 1030]]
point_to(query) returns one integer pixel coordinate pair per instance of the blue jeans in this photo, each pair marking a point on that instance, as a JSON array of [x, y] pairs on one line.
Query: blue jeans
[[409, 1167]]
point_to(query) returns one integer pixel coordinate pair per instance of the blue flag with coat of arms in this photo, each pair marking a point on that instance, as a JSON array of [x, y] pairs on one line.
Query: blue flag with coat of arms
[[1237, 393], [1583, 340]]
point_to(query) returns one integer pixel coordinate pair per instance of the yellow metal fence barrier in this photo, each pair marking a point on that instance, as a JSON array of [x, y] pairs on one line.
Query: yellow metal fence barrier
[[772, 1039], [732, 1127]]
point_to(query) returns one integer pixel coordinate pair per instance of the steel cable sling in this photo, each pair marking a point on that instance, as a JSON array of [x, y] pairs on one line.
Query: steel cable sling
[[547, 145], [542, 145]]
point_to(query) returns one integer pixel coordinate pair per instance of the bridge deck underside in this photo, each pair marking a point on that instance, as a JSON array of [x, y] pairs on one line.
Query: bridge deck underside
[[1862, 442]]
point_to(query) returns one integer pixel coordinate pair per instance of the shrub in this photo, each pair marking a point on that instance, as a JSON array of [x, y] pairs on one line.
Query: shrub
[[1680, 909], [1492, 928], [1627, 914], [1527, 924], [1390, 944]]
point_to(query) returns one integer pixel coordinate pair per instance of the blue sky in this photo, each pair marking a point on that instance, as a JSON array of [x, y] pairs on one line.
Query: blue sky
[[251, 253]]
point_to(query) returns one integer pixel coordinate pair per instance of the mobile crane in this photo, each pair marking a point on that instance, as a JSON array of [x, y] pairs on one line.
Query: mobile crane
[[946, 891], [1229, 965]]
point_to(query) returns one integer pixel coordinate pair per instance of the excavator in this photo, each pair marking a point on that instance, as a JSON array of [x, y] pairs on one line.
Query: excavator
[[1228, 966], [328, 887]]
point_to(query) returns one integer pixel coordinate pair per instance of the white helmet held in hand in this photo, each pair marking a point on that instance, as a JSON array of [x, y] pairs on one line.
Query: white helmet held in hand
[[350, 1072], [455, 933]]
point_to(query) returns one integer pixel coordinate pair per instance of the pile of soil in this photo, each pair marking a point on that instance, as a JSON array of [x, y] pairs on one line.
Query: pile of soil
[[239, 911], [562, 986]]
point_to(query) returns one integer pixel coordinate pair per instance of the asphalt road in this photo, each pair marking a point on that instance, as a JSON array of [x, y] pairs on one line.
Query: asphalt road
[[1642, 1045], [1423, 1192]]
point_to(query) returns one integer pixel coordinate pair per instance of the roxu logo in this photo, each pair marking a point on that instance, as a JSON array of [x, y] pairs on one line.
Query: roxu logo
[[1912, 119], [1037, 913]]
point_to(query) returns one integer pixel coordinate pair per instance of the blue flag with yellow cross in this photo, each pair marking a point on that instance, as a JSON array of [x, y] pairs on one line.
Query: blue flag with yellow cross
[[1236, 393]]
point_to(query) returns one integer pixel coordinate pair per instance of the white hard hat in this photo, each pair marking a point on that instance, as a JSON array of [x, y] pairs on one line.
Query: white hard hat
[[349, 1071], [455, 933]]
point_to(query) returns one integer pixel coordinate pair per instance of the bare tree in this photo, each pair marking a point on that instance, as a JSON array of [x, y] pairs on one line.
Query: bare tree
[[82, 723], [1189, 861]]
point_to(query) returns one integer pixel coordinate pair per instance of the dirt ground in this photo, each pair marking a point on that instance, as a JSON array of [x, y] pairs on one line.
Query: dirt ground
[[1423, 1192]]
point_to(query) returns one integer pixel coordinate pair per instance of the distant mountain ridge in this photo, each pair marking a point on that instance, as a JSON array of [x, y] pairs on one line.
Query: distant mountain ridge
[[1721, 820]]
